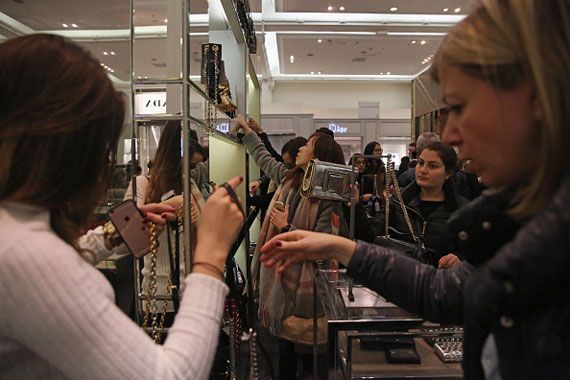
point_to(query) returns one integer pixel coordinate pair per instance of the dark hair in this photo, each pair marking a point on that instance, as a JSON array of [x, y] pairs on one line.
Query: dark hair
[[446, 153], [326, 131], [60, 121], [369, 150], [195, 147], [292, 146], [324, 149]]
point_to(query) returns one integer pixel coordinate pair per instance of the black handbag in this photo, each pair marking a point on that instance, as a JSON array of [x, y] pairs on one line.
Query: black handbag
[[415, 249]]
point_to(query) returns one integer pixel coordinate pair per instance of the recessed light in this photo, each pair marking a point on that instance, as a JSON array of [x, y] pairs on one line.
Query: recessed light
[[101, 63], [457, 10], [381, 73], [319, 40], [423, 42], [394, 9], [341, 9], [112, 53], [65, 25], [445, 9], [292, 59], [318, 72], [330, 8], [413, 42], [388, 73], [74, 25], [165, 20], [312, 72], [105, 53]]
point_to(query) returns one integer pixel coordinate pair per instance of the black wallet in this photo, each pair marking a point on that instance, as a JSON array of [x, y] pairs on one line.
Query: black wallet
[[383, 343], [403, 355]]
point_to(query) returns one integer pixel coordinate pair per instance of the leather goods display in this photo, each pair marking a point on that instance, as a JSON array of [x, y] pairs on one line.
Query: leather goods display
[[327, 181], [210, 68]]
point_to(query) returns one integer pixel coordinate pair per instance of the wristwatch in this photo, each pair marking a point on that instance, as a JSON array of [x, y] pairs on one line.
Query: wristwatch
[[111, 234], [287, 228]]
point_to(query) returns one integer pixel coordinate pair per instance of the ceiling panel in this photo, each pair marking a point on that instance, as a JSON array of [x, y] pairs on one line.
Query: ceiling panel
[[360, 56], [375, 6]]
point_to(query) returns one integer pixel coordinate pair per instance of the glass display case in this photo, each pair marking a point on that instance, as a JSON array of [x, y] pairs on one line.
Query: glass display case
[[362, 331]]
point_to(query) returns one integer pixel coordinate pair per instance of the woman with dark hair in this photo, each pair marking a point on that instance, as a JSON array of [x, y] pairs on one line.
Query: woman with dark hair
[[404, 165], [429, 200], [164, 177], [60, 121], [375, 169], [283, 297]]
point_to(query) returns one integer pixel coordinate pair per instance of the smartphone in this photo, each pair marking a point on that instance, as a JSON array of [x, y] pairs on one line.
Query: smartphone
[[279, 206], [129, 222]]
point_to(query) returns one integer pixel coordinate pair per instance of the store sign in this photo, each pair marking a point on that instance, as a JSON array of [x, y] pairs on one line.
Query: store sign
[[337, 128], [149, 103], [223, 127]]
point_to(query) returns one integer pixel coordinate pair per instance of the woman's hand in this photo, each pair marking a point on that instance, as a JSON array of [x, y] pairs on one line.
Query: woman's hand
[[254, 126], [242, 122], [298, 246], [159, 214], [220, 222], [279, 218], [366, 197], [253, 186], [448, 261]]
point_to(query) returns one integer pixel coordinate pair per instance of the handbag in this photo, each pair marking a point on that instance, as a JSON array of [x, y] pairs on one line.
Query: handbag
[[327, 181], [415, 249]]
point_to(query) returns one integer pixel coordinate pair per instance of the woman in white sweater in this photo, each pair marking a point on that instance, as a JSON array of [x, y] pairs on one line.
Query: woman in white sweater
[[60, 120]]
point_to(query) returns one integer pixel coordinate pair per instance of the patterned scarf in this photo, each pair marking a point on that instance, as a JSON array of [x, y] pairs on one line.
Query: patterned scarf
[[290, 293]]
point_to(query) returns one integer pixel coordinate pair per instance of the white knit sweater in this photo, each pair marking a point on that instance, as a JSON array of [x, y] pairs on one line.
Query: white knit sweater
[[59, 320]]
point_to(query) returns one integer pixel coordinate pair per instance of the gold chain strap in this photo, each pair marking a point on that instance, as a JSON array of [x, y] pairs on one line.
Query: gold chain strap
[[392, 178]]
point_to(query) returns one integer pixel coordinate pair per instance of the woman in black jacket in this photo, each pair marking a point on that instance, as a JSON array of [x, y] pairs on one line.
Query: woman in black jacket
[[429, 201], [504, 75]]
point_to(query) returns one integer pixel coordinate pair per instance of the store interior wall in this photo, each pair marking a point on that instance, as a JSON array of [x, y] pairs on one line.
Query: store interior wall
[[337, 99]]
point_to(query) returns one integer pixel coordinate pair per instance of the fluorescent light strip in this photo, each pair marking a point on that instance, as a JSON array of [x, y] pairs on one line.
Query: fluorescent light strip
[[311, 77], [411, 34], [272, 51], [307, 18], [313, 32]]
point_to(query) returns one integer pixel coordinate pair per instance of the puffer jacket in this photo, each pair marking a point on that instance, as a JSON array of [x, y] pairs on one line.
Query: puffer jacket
[[517, 289], [433, 231]]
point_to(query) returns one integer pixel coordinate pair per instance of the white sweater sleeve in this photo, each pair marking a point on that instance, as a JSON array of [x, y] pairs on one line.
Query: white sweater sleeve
[[62, 310]]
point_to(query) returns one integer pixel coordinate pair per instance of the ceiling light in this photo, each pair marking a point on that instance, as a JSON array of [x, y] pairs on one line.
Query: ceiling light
[[102, 64], [382, 73], [394, 9], [388, 73], [446, 9], [413, 42], [319, 40], [410, 34], [165, 20], [457, 10], [112, 53], [292, 59], [330, 8], [312, 72], [65, 25], [74, 25], [423, 42], [318, 72], [341, 9], [105, 53]]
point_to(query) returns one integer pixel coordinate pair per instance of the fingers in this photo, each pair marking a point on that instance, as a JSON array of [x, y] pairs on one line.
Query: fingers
[[448, 261], [157, 208], [288, 236]]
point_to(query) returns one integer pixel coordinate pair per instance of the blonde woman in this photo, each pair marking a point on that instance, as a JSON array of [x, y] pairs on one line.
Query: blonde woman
[[504, 74]]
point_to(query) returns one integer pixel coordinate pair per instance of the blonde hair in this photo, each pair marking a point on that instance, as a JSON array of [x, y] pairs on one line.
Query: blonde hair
[[511, 42]]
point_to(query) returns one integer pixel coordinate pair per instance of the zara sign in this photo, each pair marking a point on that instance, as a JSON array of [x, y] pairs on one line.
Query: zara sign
[[150, 103]]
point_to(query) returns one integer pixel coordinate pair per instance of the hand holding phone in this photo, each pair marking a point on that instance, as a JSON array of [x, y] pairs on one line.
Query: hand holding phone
[[130, 224]]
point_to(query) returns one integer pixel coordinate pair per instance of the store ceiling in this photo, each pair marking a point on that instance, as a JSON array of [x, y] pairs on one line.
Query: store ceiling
[[366, 40]]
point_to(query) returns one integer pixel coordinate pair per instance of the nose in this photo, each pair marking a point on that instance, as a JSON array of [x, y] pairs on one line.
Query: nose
[[451, 135]]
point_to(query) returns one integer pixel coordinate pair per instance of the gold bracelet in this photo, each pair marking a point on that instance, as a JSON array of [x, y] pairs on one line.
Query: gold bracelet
[[111, 234], [211, 266]]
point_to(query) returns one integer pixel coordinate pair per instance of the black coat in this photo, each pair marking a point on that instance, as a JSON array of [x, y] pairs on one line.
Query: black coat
[[433, 231], [517, 287]]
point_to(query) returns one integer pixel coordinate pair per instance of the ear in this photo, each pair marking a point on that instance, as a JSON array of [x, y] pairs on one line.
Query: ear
[[447, 175]]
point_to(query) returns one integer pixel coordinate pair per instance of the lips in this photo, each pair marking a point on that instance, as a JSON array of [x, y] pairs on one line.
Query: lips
[[423, 178]]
